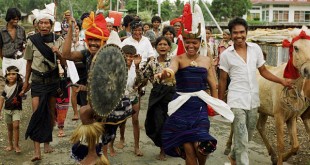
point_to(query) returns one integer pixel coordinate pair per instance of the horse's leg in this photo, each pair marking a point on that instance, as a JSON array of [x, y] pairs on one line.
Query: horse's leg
[[279, 126], [229, 141], [261, 123], [292, 127], [306, 119]]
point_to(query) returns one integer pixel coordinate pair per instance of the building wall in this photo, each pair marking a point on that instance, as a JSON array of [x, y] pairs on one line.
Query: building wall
[[281, 11]]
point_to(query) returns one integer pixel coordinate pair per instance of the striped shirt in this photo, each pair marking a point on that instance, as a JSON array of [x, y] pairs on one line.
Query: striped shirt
[[9, 45]]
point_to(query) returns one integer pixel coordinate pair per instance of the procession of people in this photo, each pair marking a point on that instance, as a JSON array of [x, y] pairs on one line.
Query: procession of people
[[185, 68]]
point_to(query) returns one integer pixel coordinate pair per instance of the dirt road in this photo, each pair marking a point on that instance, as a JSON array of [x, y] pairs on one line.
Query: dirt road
[[61, 155]]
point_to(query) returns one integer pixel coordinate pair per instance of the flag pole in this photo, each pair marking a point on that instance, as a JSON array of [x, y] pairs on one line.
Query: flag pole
[[217, 25]]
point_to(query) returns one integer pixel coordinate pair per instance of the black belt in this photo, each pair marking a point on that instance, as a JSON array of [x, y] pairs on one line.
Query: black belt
[[15, 57], [44, 74]]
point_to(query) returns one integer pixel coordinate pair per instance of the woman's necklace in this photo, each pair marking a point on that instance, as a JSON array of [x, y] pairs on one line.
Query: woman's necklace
[[162, 61], [193, 63]]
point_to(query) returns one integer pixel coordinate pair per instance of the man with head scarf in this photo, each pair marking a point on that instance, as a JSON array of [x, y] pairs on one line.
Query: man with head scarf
[[96, 35], [176, 23], [110, 23], [42, 65]]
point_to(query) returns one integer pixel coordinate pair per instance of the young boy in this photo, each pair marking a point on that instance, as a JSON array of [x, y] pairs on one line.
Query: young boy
[[125, 108], [11, 98]]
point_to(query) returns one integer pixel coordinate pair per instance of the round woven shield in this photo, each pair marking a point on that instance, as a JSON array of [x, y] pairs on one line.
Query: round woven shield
[[107, 79]]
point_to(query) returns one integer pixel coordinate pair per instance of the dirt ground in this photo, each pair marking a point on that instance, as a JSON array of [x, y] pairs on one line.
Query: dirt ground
[[61, 154]]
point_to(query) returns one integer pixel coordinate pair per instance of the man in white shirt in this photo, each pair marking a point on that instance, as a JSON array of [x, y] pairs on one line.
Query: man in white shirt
[[240, 62], [141, 43]]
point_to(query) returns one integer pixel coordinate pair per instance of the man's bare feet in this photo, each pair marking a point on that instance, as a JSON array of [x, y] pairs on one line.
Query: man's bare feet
[[17, 149], [112, 151], [138, 152], [8, 148], [61, 133], [35, 158], [75, 117], [161, 156], [48, 149], [120, 144], [232, 161]]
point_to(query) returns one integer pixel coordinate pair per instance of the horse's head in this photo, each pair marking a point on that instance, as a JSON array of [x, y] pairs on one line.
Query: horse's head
[[301, 50]]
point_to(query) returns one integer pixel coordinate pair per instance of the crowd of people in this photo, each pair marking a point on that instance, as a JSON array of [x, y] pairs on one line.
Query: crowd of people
[[39, 61]]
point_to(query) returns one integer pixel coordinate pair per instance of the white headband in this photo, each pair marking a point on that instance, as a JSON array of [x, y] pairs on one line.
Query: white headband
[[110, 20], [47, 13]]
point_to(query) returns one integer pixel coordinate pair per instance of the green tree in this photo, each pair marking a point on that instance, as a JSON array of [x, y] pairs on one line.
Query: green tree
[[144, 5], [223, 10], [166, 10], [177, 10]]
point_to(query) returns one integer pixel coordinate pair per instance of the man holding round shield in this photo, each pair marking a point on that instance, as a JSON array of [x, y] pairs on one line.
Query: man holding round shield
[[106, 69]]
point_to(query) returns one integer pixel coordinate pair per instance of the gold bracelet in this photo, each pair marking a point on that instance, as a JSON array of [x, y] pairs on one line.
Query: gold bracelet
[[170, 71]]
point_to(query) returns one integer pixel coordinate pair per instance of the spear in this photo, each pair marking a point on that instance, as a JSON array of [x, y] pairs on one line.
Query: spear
[[73, 28]]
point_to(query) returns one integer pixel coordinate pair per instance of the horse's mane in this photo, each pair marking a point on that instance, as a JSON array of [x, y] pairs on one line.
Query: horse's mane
[[295, 32]]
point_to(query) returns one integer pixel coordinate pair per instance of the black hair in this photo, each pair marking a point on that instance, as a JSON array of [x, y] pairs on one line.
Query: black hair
[[148, 24], [169, 29], [12, 13], [79, 24], [156, 18], [237, 21], [160, 38], [127, 20], [129, 49], [83, 16], [34, 21], [135, 24], [115, 27], [8, 69], [51, 22], [208, 28], [137, 18]]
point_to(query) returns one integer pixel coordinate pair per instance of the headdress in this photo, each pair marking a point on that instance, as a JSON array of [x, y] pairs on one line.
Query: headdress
[[172, 22], [192, 26], [96, 27], [110, 20], [47, 13]]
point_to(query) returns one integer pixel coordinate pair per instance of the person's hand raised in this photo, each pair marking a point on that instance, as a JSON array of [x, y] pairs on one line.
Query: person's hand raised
[[71, 22], [137, 59]]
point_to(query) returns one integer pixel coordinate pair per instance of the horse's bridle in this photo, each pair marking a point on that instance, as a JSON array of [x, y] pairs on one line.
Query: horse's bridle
[[290, 45]]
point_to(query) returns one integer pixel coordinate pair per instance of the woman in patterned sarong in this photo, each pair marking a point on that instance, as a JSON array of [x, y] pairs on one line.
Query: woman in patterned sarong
[[161, 93], [186, 132]]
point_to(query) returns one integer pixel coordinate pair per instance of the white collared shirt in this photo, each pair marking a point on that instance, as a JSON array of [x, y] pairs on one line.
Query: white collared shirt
[[243, 90], [144, 47]]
